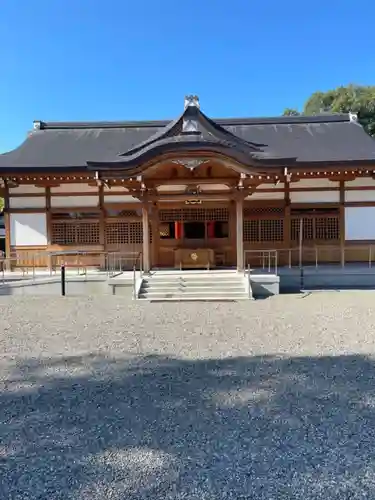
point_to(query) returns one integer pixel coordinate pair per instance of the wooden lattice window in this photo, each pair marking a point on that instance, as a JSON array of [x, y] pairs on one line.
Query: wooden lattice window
[[194, 214], [262, 211], [124, 232], [315, 228], [72, 232], [115, 212], [327, 228], [263, 230]]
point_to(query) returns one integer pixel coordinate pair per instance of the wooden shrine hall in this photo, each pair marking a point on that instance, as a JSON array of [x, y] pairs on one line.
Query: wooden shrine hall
[[192, 192]]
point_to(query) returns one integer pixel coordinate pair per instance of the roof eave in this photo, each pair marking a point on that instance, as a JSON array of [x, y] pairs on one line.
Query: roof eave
[[42, 169]]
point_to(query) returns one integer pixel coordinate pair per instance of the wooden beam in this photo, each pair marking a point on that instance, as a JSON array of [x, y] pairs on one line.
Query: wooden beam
[[221, 195], [191, 180]]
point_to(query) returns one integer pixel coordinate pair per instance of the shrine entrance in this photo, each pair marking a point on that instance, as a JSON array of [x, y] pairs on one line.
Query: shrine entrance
[[201, 236]]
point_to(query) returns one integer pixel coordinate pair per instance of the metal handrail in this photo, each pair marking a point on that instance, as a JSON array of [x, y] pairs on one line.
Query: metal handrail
[[250, 290], [30, 261], [116, 261], [267, 259], [311, 255], [134, 284]]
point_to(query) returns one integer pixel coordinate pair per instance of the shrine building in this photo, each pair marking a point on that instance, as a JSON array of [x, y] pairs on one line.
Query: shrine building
[[195, 191]]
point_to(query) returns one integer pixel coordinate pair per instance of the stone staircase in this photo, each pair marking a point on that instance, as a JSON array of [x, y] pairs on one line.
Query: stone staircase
[[194, 285]]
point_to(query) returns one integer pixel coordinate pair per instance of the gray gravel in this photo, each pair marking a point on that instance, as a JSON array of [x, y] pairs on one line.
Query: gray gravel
[[107, 399]]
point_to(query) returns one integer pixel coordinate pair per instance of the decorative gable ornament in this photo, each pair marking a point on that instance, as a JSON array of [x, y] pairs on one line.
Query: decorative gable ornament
[[191, 100], [190, 163]]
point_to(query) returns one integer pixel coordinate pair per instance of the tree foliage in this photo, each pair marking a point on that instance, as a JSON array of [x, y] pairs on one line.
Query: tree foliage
[[291, 112], [358, 99], [1, 204]]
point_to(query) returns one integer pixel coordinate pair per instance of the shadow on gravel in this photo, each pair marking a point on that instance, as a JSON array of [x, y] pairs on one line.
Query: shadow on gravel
[[153, 427]]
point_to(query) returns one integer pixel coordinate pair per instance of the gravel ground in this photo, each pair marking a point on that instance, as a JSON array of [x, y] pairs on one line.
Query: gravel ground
[[101, 398]]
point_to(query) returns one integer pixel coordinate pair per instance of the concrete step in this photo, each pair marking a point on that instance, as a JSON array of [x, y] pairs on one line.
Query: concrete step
[[193, 296], [195, 277], [193, 284], [196, 290], [189, 272]]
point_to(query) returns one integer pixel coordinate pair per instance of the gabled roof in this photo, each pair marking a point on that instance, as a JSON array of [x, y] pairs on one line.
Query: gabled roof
[[191, 131], [325, 139]]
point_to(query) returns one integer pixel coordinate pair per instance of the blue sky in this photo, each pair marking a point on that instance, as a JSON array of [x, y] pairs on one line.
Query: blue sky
[[119, 59]]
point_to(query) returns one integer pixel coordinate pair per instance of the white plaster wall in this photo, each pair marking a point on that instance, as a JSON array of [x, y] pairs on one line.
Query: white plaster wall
[[360, 195], [214, 187], [75, 188], [28, 229], [360, 182], [27, 189], [173, 188], [360, 223], [120, 198], [315, 196], [74, 201], [314, 183], [115, 188], [259, 195], [27, 202]]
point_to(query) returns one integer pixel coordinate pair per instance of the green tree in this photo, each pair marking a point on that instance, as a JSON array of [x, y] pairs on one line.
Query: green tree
[[291, 112], [358, 99], [1, 204]]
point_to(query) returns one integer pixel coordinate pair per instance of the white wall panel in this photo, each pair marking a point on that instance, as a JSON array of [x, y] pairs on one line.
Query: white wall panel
[[173, 188], [314, 183], [259, 195], [120, 198], [314, 196], [28, 229], [355, 195], [74, 188], [26, 202], [360, 223], [74, 201], [108, 190], [361, 181], [27, 189]]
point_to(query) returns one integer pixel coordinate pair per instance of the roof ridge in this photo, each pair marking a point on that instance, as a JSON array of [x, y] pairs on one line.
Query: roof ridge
[[268, 120]]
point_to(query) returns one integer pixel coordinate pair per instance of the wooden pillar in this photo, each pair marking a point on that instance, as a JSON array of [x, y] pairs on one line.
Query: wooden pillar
[[287, 242], [232, 233], [239, 232], [146, 238], [286, 256], [155, 235], [49, 226], [103, 258], [342, 222], [7, 227]]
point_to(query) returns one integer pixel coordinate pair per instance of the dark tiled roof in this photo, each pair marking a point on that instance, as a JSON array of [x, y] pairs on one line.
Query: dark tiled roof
[[192, 131], [316, 139]]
